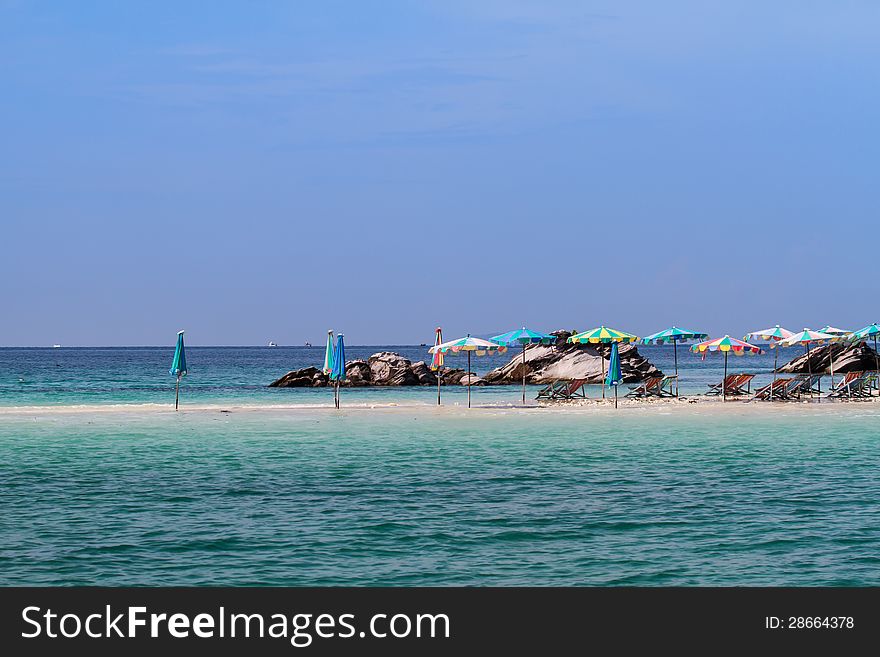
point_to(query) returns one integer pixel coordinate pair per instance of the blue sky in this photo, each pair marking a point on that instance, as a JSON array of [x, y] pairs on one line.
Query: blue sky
[[268, 170]]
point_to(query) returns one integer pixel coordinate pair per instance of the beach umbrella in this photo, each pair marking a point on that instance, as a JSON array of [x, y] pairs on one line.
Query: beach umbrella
[[674, 335], [437, 359], [338, 372], [178, 366], [602, 335], [806, 338], [772, 334], [870, 331], [468, 345], [614, 376], [840, 333], [328, 354], [726, 345], [523, 337]]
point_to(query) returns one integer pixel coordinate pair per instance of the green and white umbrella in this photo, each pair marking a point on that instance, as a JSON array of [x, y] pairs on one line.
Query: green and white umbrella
[[772, 334], [870, 331], [674, 335], [523, 337], [806, 338]]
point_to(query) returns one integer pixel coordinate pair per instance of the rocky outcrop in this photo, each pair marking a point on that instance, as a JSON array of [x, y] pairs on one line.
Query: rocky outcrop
[[382, 369], [848, 357], [546, 363]]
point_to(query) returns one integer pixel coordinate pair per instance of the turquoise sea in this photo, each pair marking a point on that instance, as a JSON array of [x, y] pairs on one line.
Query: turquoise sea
[[101, 485]]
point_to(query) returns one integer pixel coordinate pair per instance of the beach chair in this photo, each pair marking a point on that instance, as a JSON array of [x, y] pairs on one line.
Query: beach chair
[[646, 388], [848, 385], [562, 389], [861, 387], [717, 388], [775, 387], [742, 386]]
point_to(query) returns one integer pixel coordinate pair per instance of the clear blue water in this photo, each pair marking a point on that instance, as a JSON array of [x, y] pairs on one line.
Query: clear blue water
[[240, 375], [415, 495]]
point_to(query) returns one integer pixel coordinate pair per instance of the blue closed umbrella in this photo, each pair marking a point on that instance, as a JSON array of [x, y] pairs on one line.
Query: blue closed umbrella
[[178, 366], [614, 376], [338, 372]]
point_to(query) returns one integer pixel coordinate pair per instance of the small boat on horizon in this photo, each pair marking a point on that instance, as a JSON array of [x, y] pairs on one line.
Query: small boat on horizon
[[272, 344], [56, 346]]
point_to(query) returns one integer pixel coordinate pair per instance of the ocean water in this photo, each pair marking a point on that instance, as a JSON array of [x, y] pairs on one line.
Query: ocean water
[[240, 375], [98, 486]]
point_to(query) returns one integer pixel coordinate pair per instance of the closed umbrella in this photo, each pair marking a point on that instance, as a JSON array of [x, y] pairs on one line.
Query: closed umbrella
[[614, 376], [602, 335], [338, 372], [178, 366], [437, 359], [674, 335], [773, 334], [328, 354], [726, 345], [468, 345], [523, 337]]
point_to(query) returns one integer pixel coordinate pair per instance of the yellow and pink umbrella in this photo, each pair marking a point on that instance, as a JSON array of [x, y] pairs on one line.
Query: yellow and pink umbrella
[[726, 345]]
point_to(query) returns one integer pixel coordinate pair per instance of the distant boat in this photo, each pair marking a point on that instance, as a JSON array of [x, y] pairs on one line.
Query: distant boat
[[308, 344], [272, 344], [56, 346]]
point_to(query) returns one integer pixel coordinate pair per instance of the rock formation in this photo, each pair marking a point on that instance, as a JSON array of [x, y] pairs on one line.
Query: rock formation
[[848, 357], [382, 369], [546, 363]]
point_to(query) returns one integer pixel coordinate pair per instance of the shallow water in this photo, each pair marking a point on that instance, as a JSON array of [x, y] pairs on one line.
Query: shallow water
[[422, 496]]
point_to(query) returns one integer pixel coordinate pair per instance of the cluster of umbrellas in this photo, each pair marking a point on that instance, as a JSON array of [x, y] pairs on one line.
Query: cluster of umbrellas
[[334, 356]]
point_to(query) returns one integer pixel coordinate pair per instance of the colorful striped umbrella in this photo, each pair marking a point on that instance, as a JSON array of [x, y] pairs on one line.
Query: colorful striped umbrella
[[614, 376], [328, 354], [839, 332], [178, 366], [772, 334], [469, 345], [523, 337], [726, 345], [602, 335], [338, 372], [870, 331], [806, 338], [437, 359], [674, 335]]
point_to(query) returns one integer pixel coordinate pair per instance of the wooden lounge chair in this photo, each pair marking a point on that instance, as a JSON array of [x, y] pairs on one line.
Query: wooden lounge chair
[[847, 386], [855, 385], [776, 387], [645, 388], [562, 389], [716, 388], [742, 386], [735, 384]]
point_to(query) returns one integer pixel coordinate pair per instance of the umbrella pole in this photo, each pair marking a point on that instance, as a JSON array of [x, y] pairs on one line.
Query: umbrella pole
[[603, 371], [831, 357], [724, 380], [177, 393], [675, 357], [337, 393], [524, 373], [469, 379], [809, 371], [615, 395], [775, 365], [439, 374], [876, 364]]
